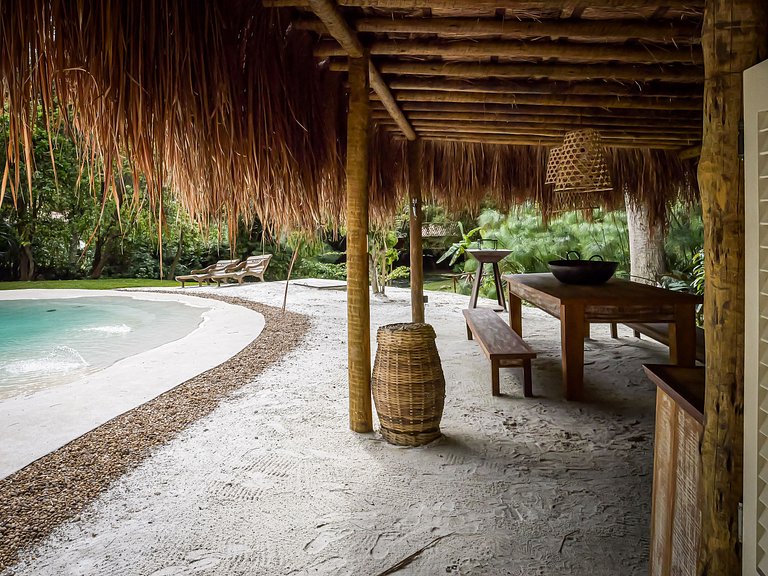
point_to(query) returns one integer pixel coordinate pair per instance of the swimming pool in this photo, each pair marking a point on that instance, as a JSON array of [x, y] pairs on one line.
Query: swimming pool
[[52, 341]]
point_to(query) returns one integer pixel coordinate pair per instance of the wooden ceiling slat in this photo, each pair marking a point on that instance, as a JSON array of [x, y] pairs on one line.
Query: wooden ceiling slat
[[606, 134], [543, 140], [421, 120], [530, 51], [566, 72], [543, 87], [675, 33], [691, 6], [545, 110], [549, 99]]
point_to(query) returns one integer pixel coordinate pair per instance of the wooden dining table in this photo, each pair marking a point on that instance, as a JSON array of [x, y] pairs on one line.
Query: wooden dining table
[[615, 301]]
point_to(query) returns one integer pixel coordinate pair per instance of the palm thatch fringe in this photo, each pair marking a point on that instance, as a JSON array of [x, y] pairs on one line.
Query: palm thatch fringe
[[464, 177], [218, 102]]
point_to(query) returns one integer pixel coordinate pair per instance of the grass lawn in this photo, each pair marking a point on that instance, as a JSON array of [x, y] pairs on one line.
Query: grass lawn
[[101, 284]]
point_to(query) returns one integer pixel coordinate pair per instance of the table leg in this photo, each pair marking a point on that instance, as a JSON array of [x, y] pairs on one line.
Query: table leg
[[682, 336], [572, 344], [476, 286], [499, 286], [515, 313]]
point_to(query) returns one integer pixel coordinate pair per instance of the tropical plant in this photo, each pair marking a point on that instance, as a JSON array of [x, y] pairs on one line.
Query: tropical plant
[[458, 249]]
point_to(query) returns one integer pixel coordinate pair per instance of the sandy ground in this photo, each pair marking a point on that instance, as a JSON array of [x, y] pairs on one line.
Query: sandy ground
[[273, 483]]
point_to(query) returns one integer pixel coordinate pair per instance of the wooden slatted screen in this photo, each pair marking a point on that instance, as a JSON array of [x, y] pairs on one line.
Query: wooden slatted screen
[[755, 550]]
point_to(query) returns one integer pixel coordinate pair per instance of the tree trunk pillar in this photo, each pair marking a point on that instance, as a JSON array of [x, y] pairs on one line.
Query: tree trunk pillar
[[733, 39], [358, 299], [415, 220], [646, 244]]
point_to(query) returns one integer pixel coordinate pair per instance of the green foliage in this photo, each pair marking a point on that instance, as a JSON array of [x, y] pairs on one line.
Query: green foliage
[[458, 249], [533, 243], [684, 238], [309, 268]]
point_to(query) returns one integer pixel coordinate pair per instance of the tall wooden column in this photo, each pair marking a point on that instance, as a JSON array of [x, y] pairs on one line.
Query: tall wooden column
[[415, 218], [358, 301], [733, 39]]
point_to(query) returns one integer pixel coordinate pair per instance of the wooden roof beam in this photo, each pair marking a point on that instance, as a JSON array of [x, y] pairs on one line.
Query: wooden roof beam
[[606, 135], [329, 14], [525, 51], [543, 110], [566, 72], [419, 123], [550, 99], [588, 88], [547, 141], [675, 33], [691, 6]]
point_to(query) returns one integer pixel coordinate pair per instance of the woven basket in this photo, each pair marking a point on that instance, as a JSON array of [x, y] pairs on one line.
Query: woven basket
[[408, 384], [553, 164]]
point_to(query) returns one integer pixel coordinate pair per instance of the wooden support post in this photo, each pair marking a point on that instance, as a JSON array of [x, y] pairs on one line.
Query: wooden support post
[[358, 302], [415, 217], [733, 39]]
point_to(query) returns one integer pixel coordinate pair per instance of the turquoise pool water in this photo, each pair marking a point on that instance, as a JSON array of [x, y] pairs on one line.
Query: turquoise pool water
[[55, 341]]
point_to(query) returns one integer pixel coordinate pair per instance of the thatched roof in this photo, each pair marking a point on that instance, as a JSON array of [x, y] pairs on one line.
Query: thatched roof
[[239, 106]]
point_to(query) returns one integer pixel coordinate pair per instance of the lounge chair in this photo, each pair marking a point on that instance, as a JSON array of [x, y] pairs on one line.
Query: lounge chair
[[254, 266], [206, 274]]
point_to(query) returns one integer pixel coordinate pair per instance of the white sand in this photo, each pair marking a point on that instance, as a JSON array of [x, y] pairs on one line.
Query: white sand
[[272, 482], [32, 425]]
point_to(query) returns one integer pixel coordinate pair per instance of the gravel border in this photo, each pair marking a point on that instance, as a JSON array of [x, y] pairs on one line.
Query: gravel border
[[58, 486]]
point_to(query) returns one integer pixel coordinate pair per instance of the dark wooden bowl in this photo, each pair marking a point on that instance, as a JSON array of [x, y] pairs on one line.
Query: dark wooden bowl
[[583, 271]]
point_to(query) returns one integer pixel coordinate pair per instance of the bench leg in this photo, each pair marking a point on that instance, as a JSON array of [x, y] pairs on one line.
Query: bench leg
[[469, 333], [637, 334], [614, 331], [495, 378], [527, 380]]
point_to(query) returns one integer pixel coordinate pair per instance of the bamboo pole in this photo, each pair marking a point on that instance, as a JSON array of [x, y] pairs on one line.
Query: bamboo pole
[[538, 140], [672, 122], [733, 38], [535, 110], [561, 5], [469, 124], [565, 72], [670, 32], [414, 151], [597, 88], [573, 53], [608, 102], [358, 302], [678, 141]]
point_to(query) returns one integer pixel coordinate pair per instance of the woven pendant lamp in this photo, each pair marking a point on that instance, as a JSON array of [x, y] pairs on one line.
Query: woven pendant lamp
[[582, 167]]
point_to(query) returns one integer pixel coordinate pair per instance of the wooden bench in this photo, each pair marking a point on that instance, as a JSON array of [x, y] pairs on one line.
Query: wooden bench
[[504, 347], [659, 331]]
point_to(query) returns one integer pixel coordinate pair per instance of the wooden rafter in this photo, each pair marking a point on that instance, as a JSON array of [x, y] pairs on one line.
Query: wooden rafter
[[480, 108], [565, 72], [695, 6], [537, 141], [670, 122], [681, 140], [330, 16], [420, 123], [594, 88], [673, 33], [544, 99], [524, 51]]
